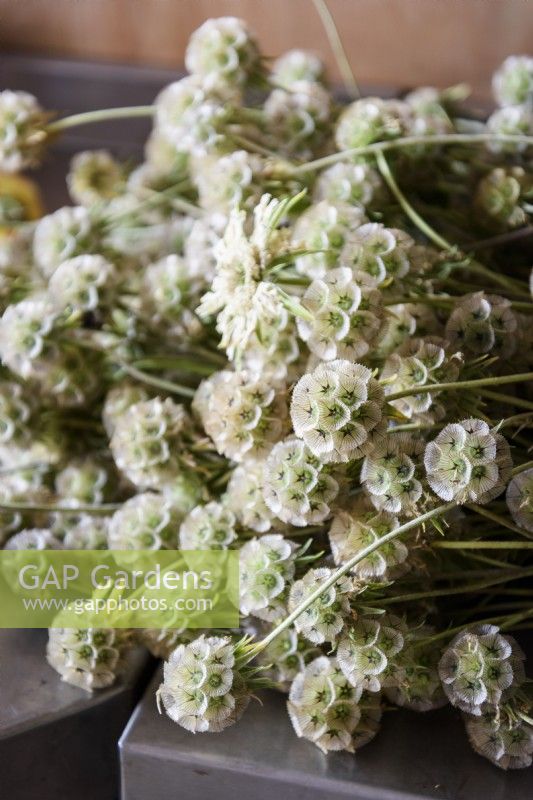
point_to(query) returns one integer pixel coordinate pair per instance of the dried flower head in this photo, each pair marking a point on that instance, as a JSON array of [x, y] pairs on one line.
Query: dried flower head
[[89, 658], [370, 120], [520, 499], [391, 474], [502, 735], [512, 83], [148, 521], [377, 254], [324, 227], [367, 647], [22, 131], [483, 323], [295, 66], [209, 527], [222, 51], [266, 565], [95, 176], [325, 618]]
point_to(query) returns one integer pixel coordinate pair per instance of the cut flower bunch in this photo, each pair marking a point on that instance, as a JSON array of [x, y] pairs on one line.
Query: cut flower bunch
[[300, 329]]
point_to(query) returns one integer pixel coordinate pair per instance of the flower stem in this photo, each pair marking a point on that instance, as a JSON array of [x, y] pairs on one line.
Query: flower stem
[[413, 215], [350, 84], [409, 141], [89, 117], [168, 386], [498, 519], [105, 508], [342, 570], [507, 398], [482, 545], [497, 380]]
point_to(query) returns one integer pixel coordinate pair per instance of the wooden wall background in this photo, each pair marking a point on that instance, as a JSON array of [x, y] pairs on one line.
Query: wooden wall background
[[390, 42]]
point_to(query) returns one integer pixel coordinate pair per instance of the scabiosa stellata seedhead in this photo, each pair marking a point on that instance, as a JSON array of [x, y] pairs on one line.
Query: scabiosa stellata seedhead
[[118, 400], [324, 227], [510, 121], [468, 462], [266, 566], [416, 363], [222, 52], [243, 413], [520, 499], [354, 183], [208, 527], [89, 658], [25, 330], [346, 316], [328, 711], [298, 117], [33, 539], [148, 521], [227, 182], [512, 83], [87, 532], [84, 283], [203, 689], [297, 488], [16, 409], [370, 120], [500, 194], [95, 177], [147, 443], [286, 656], [22, 131], [66, 233], [338, 411], [502, 735], [325, 618], [166, 296], [483, 323], [478, 667], [376, 253], [366, 649], [391, 474], [85, 481], [411, 680], [192, 116], [360, 526], [244, 496], [295, 66]]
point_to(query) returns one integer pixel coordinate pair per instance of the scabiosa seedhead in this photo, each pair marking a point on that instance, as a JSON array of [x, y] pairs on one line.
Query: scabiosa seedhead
[[499, 195], [147, 521], [244, 496], [33, 539], [510, 121], [416, 363], [428, 115], [512, 83], [87, 533], [297, 488], [209, 527], [337, 411], [85, 481], [376, 253], [228, 182], [520, 499], [22, 131], [370, 120], [324, 227], [502, 735], [222, 51], [358, 527], [295, 66], [286, 656], [16, 409], [468, 462], [94, 177], [347, 316], [328, 711], [147, 443], [62, 235], [89, 658], [83, 283], [391, 474], [411, 680], [354, 183], [483, 323], [243, 413], [297, 118], [325, 618], [367, 647], [24, 332], [166, 295], [118, 400], [479, 665], [203, 689], [266, 565], [192, 116]]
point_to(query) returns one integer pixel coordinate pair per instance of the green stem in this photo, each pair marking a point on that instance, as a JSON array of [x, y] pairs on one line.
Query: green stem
[[342, 570], [497, 380], [522, 468], [350, 84], [413, 215], [88, 117], [508, 398], [105, 508], [503, 521], [409, 141], [482, 545], [168, 386]]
